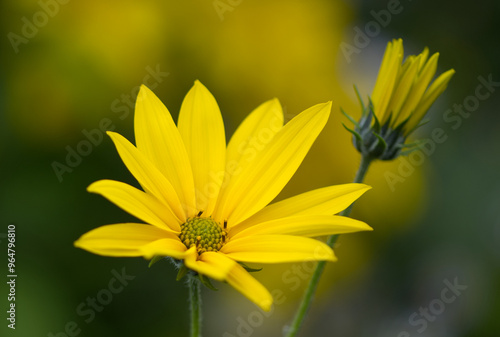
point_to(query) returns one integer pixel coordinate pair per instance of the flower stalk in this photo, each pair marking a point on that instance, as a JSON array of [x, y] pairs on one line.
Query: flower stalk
[[320, 266], [195, 306]]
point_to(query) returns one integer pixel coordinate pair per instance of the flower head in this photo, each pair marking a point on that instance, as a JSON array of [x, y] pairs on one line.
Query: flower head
[[400, 99], [205, 204]]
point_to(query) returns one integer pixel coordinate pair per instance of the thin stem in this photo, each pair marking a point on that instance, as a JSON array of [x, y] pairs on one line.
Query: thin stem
[[313, 282], [195, 305]]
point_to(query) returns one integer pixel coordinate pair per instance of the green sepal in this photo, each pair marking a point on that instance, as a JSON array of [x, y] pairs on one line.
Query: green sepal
[[381, 140], [415, 144], [407, 152], [376, 124], [401, 125], [183, 270], [354, 133], [155, 259], [353, 121], [360, 99], [206, 282], [250, 269], [412, 147], [422, 123]]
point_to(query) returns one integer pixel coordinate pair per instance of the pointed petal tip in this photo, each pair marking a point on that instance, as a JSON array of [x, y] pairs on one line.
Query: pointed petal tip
[[144, 92], [324, 108], [363, 186], [331, 258], [265, 305], [144, 87], [363, 226], [434, 58], [198, 84], [91, 187], [275, 105], [275, 100], [77, 243]]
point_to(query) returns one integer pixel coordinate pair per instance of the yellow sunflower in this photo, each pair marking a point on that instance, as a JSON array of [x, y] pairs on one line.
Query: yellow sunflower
[[206, 204]]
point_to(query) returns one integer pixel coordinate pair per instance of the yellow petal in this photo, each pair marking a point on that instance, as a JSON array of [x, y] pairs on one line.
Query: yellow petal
[[251, 137], [261, 180], [402, 90], [323, 201], [129, 239], [406, 64], [151, 180], [212, 264], [255, 132], [277, 249], [421, 83], [424, 56], [164, 247], [242, 281], [380, 84], [159, 140], [202, 130], [305, 225], [436, 89], [139, 204], [386, 79]]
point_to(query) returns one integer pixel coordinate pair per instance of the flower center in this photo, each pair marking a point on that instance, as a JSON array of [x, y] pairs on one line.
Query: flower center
[[203, 233]]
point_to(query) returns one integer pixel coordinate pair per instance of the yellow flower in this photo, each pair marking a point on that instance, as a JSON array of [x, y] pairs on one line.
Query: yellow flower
[[207, 204], [400, 99]]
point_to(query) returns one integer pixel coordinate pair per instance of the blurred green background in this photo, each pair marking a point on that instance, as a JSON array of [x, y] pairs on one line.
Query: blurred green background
[[72, 68]]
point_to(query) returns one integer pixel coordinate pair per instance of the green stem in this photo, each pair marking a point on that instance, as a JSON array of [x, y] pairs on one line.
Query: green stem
[[195, 305], [313, 283]]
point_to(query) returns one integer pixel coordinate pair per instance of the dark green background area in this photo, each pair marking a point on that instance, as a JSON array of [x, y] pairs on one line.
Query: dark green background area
[[455, 236]]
